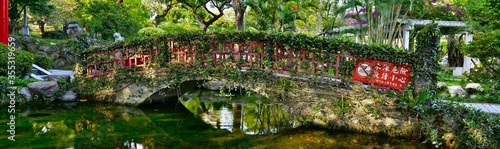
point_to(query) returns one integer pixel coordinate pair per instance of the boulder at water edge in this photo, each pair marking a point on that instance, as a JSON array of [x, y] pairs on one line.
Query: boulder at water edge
[[44, 88], [25, 92], [214, 85], [69, 96], [66, 78]]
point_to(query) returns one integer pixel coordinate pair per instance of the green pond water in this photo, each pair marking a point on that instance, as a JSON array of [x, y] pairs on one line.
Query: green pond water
[[203, 119]]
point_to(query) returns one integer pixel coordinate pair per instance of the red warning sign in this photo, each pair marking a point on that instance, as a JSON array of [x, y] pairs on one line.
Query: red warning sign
[[382, 73]]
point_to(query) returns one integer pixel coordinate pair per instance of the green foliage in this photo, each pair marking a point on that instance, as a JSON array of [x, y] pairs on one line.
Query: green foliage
[[177, 28], [181, 16], [18, 82], [485, 47], [54, 35], [449, 10], [107, 17], [23, 60], [483, 14], [4, 84], [35, 7], [202, 13], [471, 128], [428, 48], [43, 61], [151, 32], [65, 12]]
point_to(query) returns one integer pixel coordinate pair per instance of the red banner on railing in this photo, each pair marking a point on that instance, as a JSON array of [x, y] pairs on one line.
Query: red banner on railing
[[382, 73]]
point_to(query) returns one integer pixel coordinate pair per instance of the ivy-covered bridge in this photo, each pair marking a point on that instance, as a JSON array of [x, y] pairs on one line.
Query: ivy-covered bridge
[[269, 64]]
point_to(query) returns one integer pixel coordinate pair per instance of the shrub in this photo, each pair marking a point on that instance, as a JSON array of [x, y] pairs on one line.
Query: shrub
[[174, 28], [151, 32], [486, 47], [54, 35], [23, 60], [472, 128], [43, 61]]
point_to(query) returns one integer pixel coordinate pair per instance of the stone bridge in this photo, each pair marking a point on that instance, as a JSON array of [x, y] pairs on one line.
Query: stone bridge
[[274, 66]]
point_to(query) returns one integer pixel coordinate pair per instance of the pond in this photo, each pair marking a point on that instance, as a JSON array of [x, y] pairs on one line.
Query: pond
[[203, 119]]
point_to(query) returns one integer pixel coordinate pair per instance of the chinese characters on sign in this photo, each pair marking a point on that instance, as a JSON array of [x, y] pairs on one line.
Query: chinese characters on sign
[[382, 73]]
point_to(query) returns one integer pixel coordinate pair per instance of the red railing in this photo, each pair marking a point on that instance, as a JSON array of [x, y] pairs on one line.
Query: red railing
[[244, 56]]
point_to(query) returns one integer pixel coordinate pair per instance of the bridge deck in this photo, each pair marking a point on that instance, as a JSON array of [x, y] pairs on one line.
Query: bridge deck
[[485, 107]]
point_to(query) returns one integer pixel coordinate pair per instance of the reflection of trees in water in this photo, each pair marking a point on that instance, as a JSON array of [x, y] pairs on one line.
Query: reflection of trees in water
[[259, 119], [249, 118]]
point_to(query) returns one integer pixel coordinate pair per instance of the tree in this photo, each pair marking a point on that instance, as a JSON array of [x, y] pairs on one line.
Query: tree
[[202, 13], [36, 7], [64, 13], [265, 12], [330, 14], [378, 20], [455, 56], [485, 47], [159, 8], [107, 17], [483, 14], [239, 12]]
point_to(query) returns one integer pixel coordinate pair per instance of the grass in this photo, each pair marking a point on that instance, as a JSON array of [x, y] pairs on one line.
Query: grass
[[488, 96], [43, 41]]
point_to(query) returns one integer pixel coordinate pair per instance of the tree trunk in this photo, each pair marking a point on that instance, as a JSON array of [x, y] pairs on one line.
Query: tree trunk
[[41, 25], [156, 22], [205, 26], [455, 57], [320, 17], [239, 12]]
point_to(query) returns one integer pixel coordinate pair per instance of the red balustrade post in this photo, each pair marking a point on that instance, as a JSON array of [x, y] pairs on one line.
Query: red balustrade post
[[4, 22]]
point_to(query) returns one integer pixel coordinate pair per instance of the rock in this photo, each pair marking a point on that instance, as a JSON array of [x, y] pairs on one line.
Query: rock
[[214, 85], [44, 88], [31, 47], [48, 49], [69, 58], [472, 88], [54, 55], [69, 96], [73, 29], [52, 43], [62, 44], [441, 85], [14, 42], [25, 92], [456, 91], [41, 53], [58, 63], [118, 37], [26, 39], [69, 105], [67, 78], [68, 50]]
